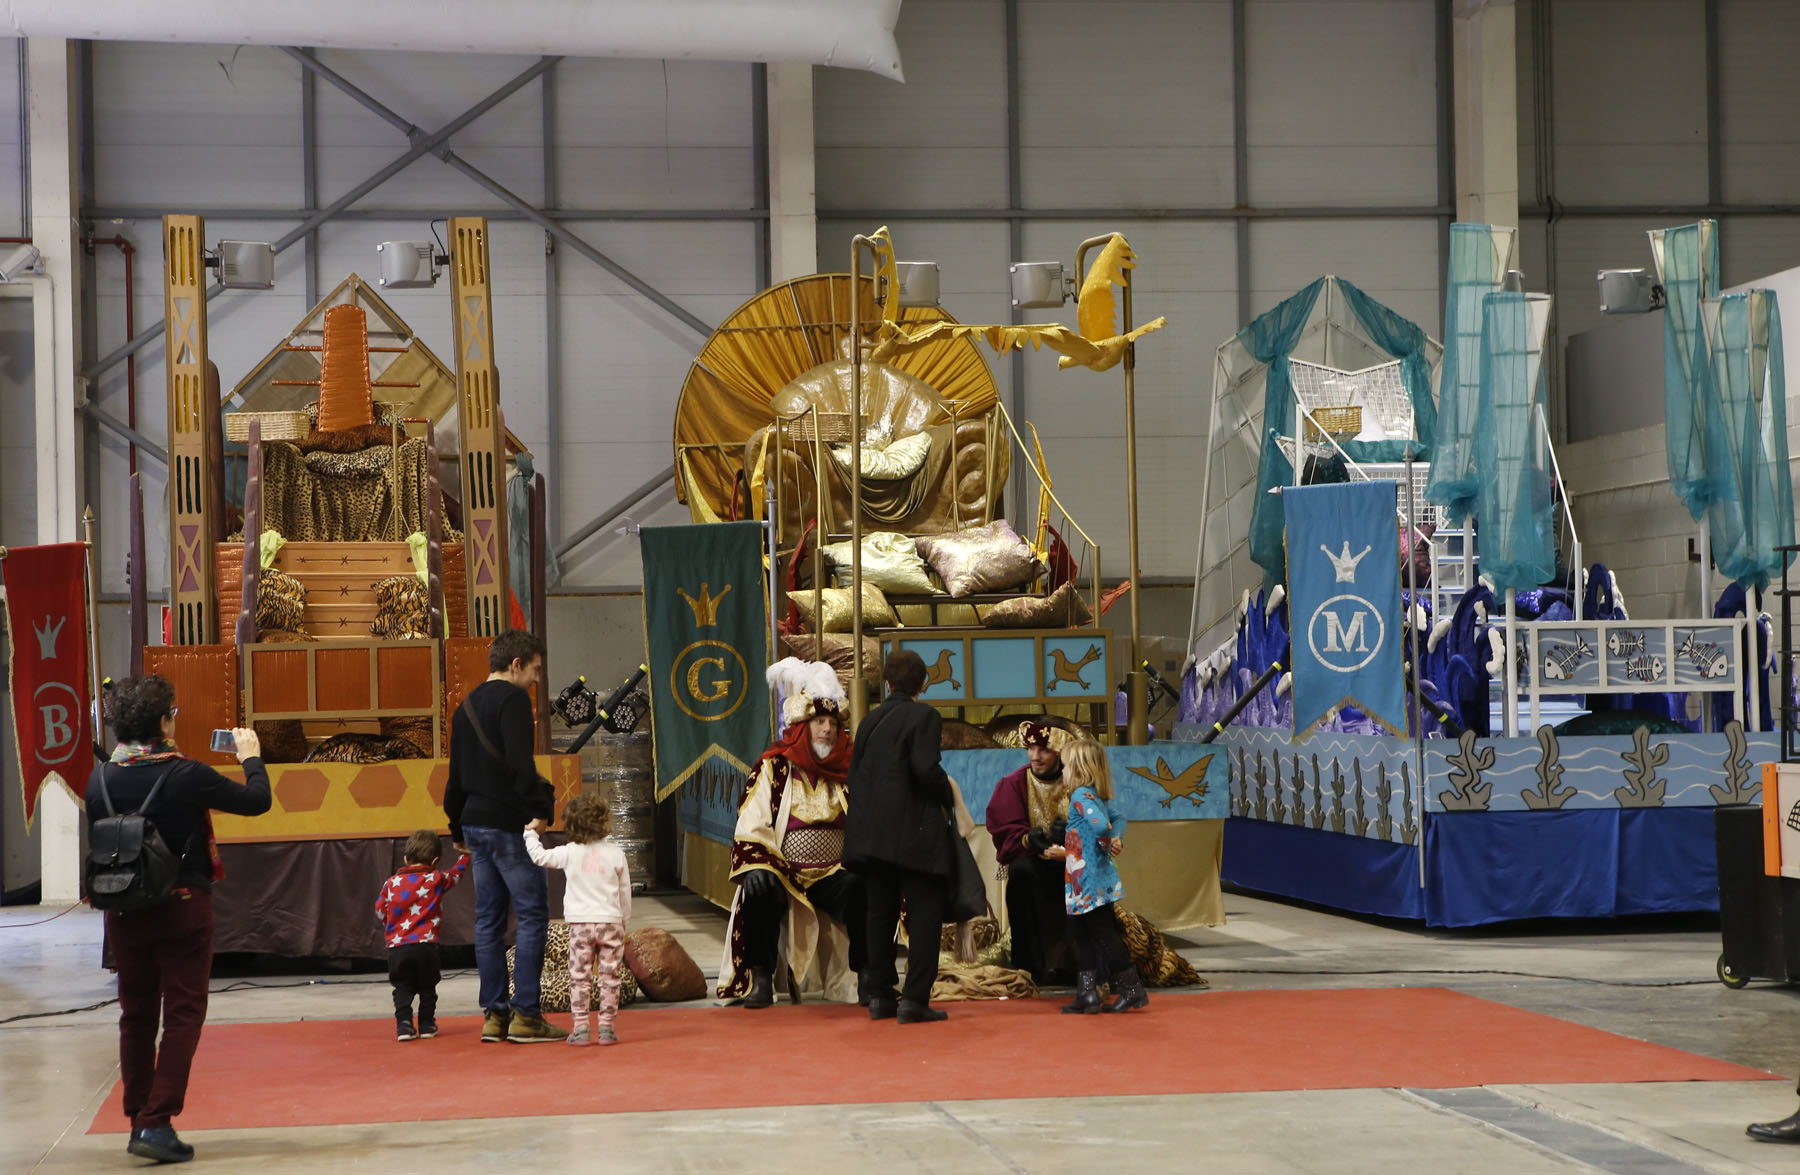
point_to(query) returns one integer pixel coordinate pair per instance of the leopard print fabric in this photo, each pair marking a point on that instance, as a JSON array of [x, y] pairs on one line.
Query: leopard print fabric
[[554, 983]]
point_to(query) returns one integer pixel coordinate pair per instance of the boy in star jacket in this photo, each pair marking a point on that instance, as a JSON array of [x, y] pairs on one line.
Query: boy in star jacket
[[409, 907]]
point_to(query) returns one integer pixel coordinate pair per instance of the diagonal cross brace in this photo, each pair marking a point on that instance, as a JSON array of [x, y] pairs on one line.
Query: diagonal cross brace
[[422, 145]]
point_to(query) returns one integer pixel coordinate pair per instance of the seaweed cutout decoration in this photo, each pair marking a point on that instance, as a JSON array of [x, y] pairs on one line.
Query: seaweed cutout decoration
[[1262, 787], [1737, 770], [1317, 817], [1337, 796], [1550, 793], [1384, 792], [1642, 787], [1359, 823], [1299, 785], [1468, 793], [1278, 808], [1409, 827]]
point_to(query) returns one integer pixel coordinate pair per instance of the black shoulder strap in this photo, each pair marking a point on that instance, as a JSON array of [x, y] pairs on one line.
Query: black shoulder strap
[[487, 744], [106, 795]]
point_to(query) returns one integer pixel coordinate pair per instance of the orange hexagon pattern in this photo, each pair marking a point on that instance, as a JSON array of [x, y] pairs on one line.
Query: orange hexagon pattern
[[379, 785], [302, 791]]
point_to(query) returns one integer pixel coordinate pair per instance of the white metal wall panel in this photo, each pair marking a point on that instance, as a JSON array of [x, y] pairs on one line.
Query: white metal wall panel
[[176, 125], [1342, 102], [1630, 101], [12, 171], [1125, 104], [939, 141], [1759, 90], [428, 90], [651, 134]]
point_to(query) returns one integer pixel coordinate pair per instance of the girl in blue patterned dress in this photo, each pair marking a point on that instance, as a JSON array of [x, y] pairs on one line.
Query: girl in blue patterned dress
[[1091, 884]]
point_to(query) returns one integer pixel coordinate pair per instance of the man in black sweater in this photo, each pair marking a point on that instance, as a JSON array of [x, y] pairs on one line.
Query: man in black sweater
[[493, 794]]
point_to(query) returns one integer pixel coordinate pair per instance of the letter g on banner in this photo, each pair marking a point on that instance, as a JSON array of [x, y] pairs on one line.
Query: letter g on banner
[[709, 680]]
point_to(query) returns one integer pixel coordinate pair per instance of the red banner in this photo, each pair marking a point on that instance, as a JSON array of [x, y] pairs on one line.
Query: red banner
[[46, 623]]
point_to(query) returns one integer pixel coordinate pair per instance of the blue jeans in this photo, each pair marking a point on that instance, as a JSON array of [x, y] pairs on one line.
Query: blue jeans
[[507, 881]]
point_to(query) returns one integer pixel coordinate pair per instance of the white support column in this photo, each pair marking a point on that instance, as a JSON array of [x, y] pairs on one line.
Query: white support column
[[793, 209], [55, 232], [1487, 112]]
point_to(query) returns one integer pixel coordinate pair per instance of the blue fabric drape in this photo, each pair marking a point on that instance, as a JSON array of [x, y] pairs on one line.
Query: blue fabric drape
[[1750, 507], [1511, 462], [1270, 339], [1405, 342], [1690, 272], [1477, 268]]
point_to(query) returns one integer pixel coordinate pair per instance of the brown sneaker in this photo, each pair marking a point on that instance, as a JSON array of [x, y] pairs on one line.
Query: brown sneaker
[[493, 1028], [534, 1030]]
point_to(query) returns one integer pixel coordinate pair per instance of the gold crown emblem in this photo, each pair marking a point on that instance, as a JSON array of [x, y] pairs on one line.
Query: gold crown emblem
[[706, 608]]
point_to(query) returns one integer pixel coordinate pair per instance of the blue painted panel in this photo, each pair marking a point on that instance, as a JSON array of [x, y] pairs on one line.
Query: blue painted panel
[[1163, 781], [1004, 668], [946, 675], [1702, 654], [1075, 669]]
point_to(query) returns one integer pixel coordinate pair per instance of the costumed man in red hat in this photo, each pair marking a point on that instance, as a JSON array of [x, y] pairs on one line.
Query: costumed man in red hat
[[1028, 819], [787, 852]]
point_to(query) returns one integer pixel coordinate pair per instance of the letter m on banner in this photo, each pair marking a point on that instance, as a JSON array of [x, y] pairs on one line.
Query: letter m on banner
[[47, 639], [706, 625], [1343, 551]]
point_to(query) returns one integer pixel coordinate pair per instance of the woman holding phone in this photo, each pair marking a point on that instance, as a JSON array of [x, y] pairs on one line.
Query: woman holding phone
[[164, 953]]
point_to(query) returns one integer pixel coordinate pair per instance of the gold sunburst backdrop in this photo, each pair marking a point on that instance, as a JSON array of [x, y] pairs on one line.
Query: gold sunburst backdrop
[[780, 334]]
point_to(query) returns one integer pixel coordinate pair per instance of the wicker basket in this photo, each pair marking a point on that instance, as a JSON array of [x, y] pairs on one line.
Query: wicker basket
[[1339, 422], [834, 427], [276, 426]]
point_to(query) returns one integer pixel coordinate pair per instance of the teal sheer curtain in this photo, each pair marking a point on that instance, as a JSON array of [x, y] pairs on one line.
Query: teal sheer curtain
[[1690, 273], [1271, 339], [1406, 342], [1750, 507], [1477, 267], [1511, 460]]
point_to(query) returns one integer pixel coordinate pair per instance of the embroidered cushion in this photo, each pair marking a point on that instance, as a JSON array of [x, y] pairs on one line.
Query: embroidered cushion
[[991, 558], [889, 561], [1062, 608], [876, 611]]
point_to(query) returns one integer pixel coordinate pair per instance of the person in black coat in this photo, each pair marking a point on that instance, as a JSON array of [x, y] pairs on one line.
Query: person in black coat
[[898, 837]]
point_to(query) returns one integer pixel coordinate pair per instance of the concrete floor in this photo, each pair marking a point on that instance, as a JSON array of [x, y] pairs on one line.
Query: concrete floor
[[1647, 979]]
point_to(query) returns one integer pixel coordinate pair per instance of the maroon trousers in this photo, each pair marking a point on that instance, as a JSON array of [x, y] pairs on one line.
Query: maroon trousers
[[164, 959]]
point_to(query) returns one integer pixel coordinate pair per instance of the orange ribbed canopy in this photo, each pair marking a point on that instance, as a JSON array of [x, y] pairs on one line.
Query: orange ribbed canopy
[[345, 397]]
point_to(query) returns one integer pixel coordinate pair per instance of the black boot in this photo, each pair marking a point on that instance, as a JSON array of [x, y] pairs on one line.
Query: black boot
[[1086, 998], [762, 989], [1130, 992]]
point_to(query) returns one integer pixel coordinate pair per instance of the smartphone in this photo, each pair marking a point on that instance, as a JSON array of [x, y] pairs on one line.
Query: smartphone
[[224, 740]]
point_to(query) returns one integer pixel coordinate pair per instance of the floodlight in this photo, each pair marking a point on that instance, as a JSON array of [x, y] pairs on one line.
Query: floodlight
[[244, 265], [1628, 291], [918, 281], [1514, 282], [408, 265], [19, 261], [1038, 285]]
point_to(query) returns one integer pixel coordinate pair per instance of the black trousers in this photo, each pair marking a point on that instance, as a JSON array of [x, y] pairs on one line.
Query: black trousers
[[925, 895], [1099, 947], [413, 970], [841, 896], [1034, 909]]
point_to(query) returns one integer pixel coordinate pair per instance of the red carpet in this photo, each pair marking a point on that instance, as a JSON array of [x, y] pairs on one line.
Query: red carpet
[[347, 1071]]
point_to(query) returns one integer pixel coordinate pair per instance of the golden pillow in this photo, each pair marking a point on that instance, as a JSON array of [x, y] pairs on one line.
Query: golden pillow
[[875, 609], [896, 459], [1062, 608], [889, 561], [991, 558]]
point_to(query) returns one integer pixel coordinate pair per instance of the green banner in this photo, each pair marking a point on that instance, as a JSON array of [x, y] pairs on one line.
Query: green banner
[[706, 625]]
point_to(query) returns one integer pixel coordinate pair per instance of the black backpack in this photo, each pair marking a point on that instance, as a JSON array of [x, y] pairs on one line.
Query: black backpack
[[129, 867]]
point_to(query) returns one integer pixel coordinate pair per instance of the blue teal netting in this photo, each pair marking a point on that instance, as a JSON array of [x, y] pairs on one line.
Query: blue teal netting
[[1406, 342], [1477, 267], [1690, 272], [1750, 508], [1270, 339], [1511, 460]]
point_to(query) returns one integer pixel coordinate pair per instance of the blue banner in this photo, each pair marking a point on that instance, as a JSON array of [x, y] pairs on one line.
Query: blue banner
[[1343, 546]]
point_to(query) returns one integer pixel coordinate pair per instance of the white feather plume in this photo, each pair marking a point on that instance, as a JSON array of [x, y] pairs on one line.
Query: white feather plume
[[1277, 594], [1284, 684], [1437, 634], [1496, 641], [799, 681]]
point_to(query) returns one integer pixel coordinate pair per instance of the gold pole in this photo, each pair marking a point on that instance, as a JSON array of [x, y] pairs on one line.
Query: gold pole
[[859, 702], [1137, 731]]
